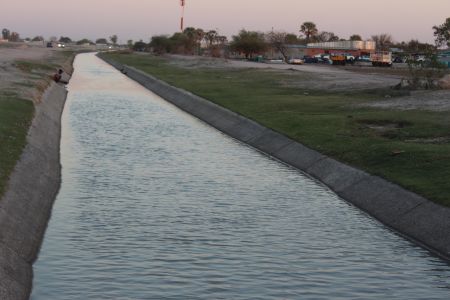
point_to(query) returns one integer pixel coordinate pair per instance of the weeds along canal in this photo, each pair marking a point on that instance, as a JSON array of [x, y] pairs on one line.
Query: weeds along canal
[[155, 204]]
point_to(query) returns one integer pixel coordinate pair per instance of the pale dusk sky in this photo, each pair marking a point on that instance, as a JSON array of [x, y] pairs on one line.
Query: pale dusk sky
[[140, 19]]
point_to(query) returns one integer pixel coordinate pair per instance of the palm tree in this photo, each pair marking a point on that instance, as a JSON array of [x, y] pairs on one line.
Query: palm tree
[[199, 36], [309, 29], [191, 34], [211, 37]]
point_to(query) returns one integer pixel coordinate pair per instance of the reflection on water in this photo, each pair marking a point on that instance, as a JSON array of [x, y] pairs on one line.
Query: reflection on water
[[156, 205]]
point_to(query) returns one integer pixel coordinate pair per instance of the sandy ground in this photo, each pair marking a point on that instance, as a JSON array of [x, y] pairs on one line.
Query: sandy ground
[[335, 79], [15, 80]]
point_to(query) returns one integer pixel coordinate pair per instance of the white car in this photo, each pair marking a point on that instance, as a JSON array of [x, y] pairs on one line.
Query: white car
[[296, 61]]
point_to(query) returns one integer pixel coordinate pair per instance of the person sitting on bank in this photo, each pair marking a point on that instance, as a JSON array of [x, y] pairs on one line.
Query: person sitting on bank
[[58, 76]]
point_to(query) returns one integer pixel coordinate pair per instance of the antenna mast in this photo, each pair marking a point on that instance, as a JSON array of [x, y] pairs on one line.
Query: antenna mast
[[182, 3]]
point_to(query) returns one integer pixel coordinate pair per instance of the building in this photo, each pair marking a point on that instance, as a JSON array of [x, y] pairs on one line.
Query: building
[[355, 48]]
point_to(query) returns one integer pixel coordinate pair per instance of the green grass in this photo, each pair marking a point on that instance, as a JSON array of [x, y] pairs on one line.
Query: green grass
[[15, 119], [396, 145], [33, 66]]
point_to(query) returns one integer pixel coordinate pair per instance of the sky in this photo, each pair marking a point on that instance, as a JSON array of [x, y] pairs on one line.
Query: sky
[[141, 19]]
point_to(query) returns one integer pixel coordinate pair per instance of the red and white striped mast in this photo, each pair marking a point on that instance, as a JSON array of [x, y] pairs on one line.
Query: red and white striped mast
[[182, 3]]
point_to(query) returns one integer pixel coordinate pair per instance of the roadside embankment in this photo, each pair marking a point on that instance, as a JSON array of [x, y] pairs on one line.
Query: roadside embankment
[[26, 206], [420, 220]]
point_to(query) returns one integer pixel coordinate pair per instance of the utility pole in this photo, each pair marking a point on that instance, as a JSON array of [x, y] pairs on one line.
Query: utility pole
[[182, 3]]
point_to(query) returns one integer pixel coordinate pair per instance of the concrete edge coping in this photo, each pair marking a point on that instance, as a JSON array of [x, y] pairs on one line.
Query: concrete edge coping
[[415, 218], [25, 208]]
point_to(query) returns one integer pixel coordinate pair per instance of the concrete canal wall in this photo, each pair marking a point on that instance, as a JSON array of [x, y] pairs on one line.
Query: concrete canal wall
[[26, 206], [416, 218]]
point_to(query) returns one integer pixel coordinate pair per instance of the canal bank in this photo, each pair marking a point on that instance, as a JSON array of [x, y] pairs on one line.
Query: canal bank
[[26, 206], [418, 219]]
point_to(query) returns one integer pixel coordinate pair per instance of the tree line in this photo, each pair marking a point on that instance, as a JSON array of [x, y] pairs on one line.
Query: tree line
[[251, 43], [197, 41], [15, 37]]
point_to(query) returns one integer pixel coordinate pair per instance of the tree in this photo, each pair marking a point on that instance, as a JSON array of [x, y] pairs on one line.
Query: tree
[[101, 41], [65, 39], [382, 41], [180, 43], [14, 37], [84, 41], [292, 39], [211, 37], [160, 44], [5, 34], [249, 43], [325, 36], [199, 36], [278, 41], [130, 44], [355, 37], [191, 39], [221, 39], [442, 34], [414, 46], [37, 39], [140, 46], [113, 39], [309, 29]]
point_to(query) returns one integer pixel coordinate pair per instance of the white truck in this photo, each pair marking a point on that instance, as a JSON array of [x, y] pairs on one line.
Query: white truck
[[381, 59]]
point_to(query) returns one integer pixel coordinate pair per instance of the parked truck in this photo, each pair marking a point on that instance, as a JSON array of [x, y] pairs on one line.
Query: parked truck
[[338, 59], [342, 59], [381, 59]]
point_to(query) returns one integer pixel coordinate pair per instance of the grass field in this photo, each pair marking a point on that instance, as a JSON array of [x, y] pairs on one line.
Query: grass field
[[411, 148], [31, 78], [15, 119]]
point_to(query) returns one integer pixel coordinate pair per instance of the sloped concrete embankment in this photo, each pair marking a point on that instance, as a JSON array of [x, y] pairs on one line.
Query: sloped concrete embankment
[[26, 206], [418, 219]]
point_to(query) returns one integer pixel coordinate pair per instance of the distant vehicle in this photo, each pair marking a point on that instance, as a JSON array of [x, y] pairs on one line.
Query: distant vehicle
[[381, 59], [342, 59], [49, 45], [338, 59], [364, 58], [296, 61], [310, 60], [420, 58], [398, 60], [275, 61], [61, 45], [323, 58], [350, 58]]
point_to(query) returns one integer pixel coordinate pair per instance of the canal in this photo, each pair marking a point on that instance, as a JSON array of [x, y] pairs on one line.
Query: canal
[[155, 204]]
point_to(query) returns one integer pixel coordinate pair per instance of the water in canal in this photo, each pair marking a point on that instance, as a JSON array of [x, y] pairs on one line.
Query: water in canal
[[157, 205]]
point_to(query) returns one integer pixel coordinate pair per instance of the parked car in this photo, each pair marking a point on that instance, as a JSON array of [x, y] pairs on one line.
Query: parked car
[[296, 61], [363, 58], [420, 58], [310, 59], [323, 58], [349, 58]]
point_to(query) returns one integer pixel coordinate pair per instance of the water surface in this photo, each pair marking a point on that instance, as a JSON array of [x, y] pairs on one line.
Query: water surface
[[157, 205]]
